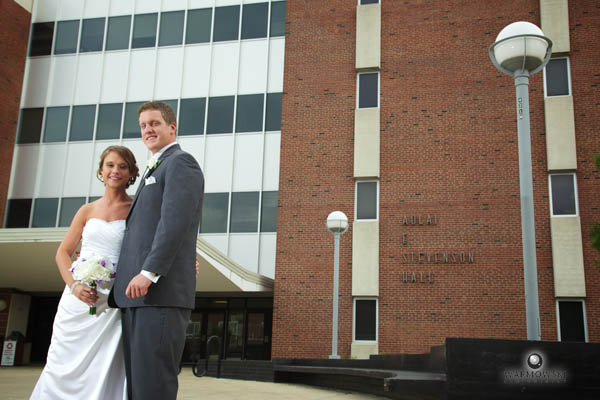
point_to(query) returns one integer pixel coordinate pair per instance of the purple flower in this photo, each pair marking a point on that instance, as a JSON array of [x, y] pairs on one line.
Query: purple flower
[[103, 263], [99, 281], [113, 275], [83, 259]]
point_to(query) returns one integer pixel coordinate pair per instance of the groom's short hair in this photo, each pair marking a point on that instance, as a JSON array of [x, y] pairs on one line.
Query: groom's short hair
[[165, 110]]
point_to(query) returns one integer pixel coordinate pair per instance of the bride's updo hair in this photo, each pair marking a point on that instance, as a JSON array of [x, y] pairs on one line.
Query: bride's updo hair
[[129, 158]]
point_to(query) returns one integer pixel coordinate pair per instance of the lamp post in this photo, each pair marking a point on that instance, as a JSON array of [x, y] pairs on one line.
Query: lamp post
[[521, 50], [337, 223]]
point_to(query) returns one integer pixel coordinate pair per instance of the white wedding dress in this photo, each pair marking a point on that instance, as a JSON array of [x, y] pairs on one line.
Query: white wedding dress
[[85, 358]]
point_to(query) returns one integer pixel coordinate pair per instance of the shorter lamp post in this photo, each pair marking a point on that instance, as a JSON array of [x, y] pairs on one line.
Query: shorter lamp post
[[521, 50], [337, 223]]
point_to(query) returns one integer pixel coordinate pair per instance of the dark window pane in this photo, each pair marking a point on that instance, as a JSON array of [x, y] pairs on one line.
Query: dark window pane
[[131, 127], [93, 198], [367, 91], [68, 208], [268, 213], [172, 103], [563, 195], [92, 35], [220, 115], [198, 26], [66, 37], [557, 77], [117, 37], [249, 113], [18, 212], [40, 42], [365, 320], [214, 213], [235, 334], [191, 116], [227, 23], [369, 1], [254, 20], [366, 200], [273, 122], [277, 19], [109, 121], [171, 28], [244, 212], [572, 328], [44, 213], [144, 31], [30, 125], [57, 120], [82, 123]]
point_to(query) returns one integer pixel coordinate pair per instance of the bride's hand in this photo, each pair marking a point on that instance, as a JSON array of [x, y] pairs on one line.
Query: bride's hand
[[86, 294]]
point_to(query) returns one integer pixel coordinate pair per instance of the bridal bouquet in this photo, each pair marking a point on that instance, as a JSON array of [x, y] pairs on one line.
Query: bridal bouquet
[[93, 271]]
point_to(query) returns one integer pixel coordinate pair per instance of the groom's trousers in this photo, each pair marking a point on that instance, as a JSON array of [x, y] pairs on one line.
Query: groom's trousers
[[153, 341]]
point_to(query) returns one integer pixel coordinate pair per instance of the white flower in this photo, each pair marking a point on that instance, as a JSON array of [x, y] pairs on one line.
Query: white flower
[[93, 269], [152, 163]]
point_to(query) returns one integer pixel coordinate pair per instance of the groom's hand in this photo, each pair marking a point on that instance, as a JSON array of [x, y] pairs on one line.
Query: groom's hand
[[137, 287]]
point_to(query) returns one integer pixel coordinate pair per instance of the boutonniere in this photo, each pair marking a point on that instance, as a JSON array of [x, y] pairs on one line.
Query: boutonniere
[[153, 164]]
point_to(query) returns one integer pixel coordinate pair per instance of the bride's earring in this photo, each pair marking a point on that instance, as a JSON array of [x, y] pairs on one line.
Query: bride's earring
[[100, 177]]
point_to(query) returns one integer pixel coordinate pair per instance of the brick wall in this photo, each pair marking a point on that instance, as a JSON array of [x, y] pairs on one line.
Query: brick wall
[[448, 150]]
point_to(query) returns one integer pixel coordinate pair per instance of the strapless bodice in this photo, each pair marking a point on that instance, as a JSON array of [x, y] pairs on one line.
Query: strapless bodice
[[102, 238]]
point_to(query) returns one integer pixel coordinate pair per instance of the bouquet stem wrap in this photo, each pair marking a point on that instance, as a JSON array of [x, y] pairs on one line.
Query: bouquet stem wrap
[[93, 270], [93, 308]]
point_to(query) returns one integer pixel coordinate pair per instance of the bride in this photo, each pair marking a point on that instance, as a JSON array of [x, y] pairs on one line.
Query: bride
[[85, 358]]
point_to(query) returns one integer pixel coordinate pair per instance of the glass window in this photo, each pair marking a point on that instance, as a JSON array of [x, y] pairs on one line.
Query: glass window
[[171, 28], [244, 212], [171, 103], [68, 209], [44, 213], [57, 120], [563, 198], [93, 198], [30, 125], [368, 91], [198, 26], [40, 43], [191, 116], [18, 212], [366, 200], [227, 23], [235, 334], [557, 77], [572, 321], [369, 2], [82, 123], [249, 115], [273, 122], [144, 31], [254, 20], [109, 121], [277, 19], [92, 35], [268, 213], [66, 37], [220, 115], [131, 127], [117, 37], [214, 213], [365, 320]]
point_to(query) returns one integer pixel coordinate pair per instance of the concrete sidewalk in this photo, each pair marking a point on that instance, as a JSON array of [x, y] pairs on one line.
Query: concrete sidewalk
[[16, 383]]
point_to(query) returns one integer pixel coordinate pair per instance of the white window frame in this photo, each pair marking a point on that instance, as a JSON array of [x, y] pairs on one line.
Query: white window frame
[[574, 191], [358, 2], [568, 79], [358, 89], [376, 320], [376, 200], [585, 327]]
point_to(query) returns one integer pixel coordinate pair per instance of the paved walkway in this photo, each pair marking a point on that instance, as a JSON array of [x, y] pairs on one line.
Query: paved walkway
[[16, 383]]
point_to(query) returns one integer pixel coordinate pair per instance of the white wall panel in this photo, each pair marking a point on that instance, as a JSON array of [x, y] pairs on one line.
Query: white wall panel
[[174, 5], [52, 158], [141, 154], [266, 262], [220, 3], [95, 8], [121, 7], [168, 73], [141, 75], [37, 73], [194, 146], [27, 158], [114, 81], [247, 162], [276, 57], [97, 187], [271, 168], [217, 241], [147, 6], [224, 69], [89, 78], [243, 249], [217, 166], [78, 164], [70, 9], [196, 71], [253, 66], [63, 81], [44, 11]]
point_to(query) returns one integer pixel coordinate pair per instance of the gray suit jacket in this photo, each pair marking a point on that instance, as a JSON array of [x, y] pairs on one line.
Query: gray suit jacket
[[161, 232]]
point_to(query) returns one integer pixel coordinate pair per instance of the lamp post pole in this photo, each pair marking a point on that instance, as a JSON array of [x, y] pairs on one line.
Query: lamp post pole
[[336, 280]]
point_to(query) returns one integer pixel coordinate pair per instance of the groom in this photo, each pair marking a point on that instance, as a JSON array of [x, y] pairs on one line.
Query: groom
[[156, 279]]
